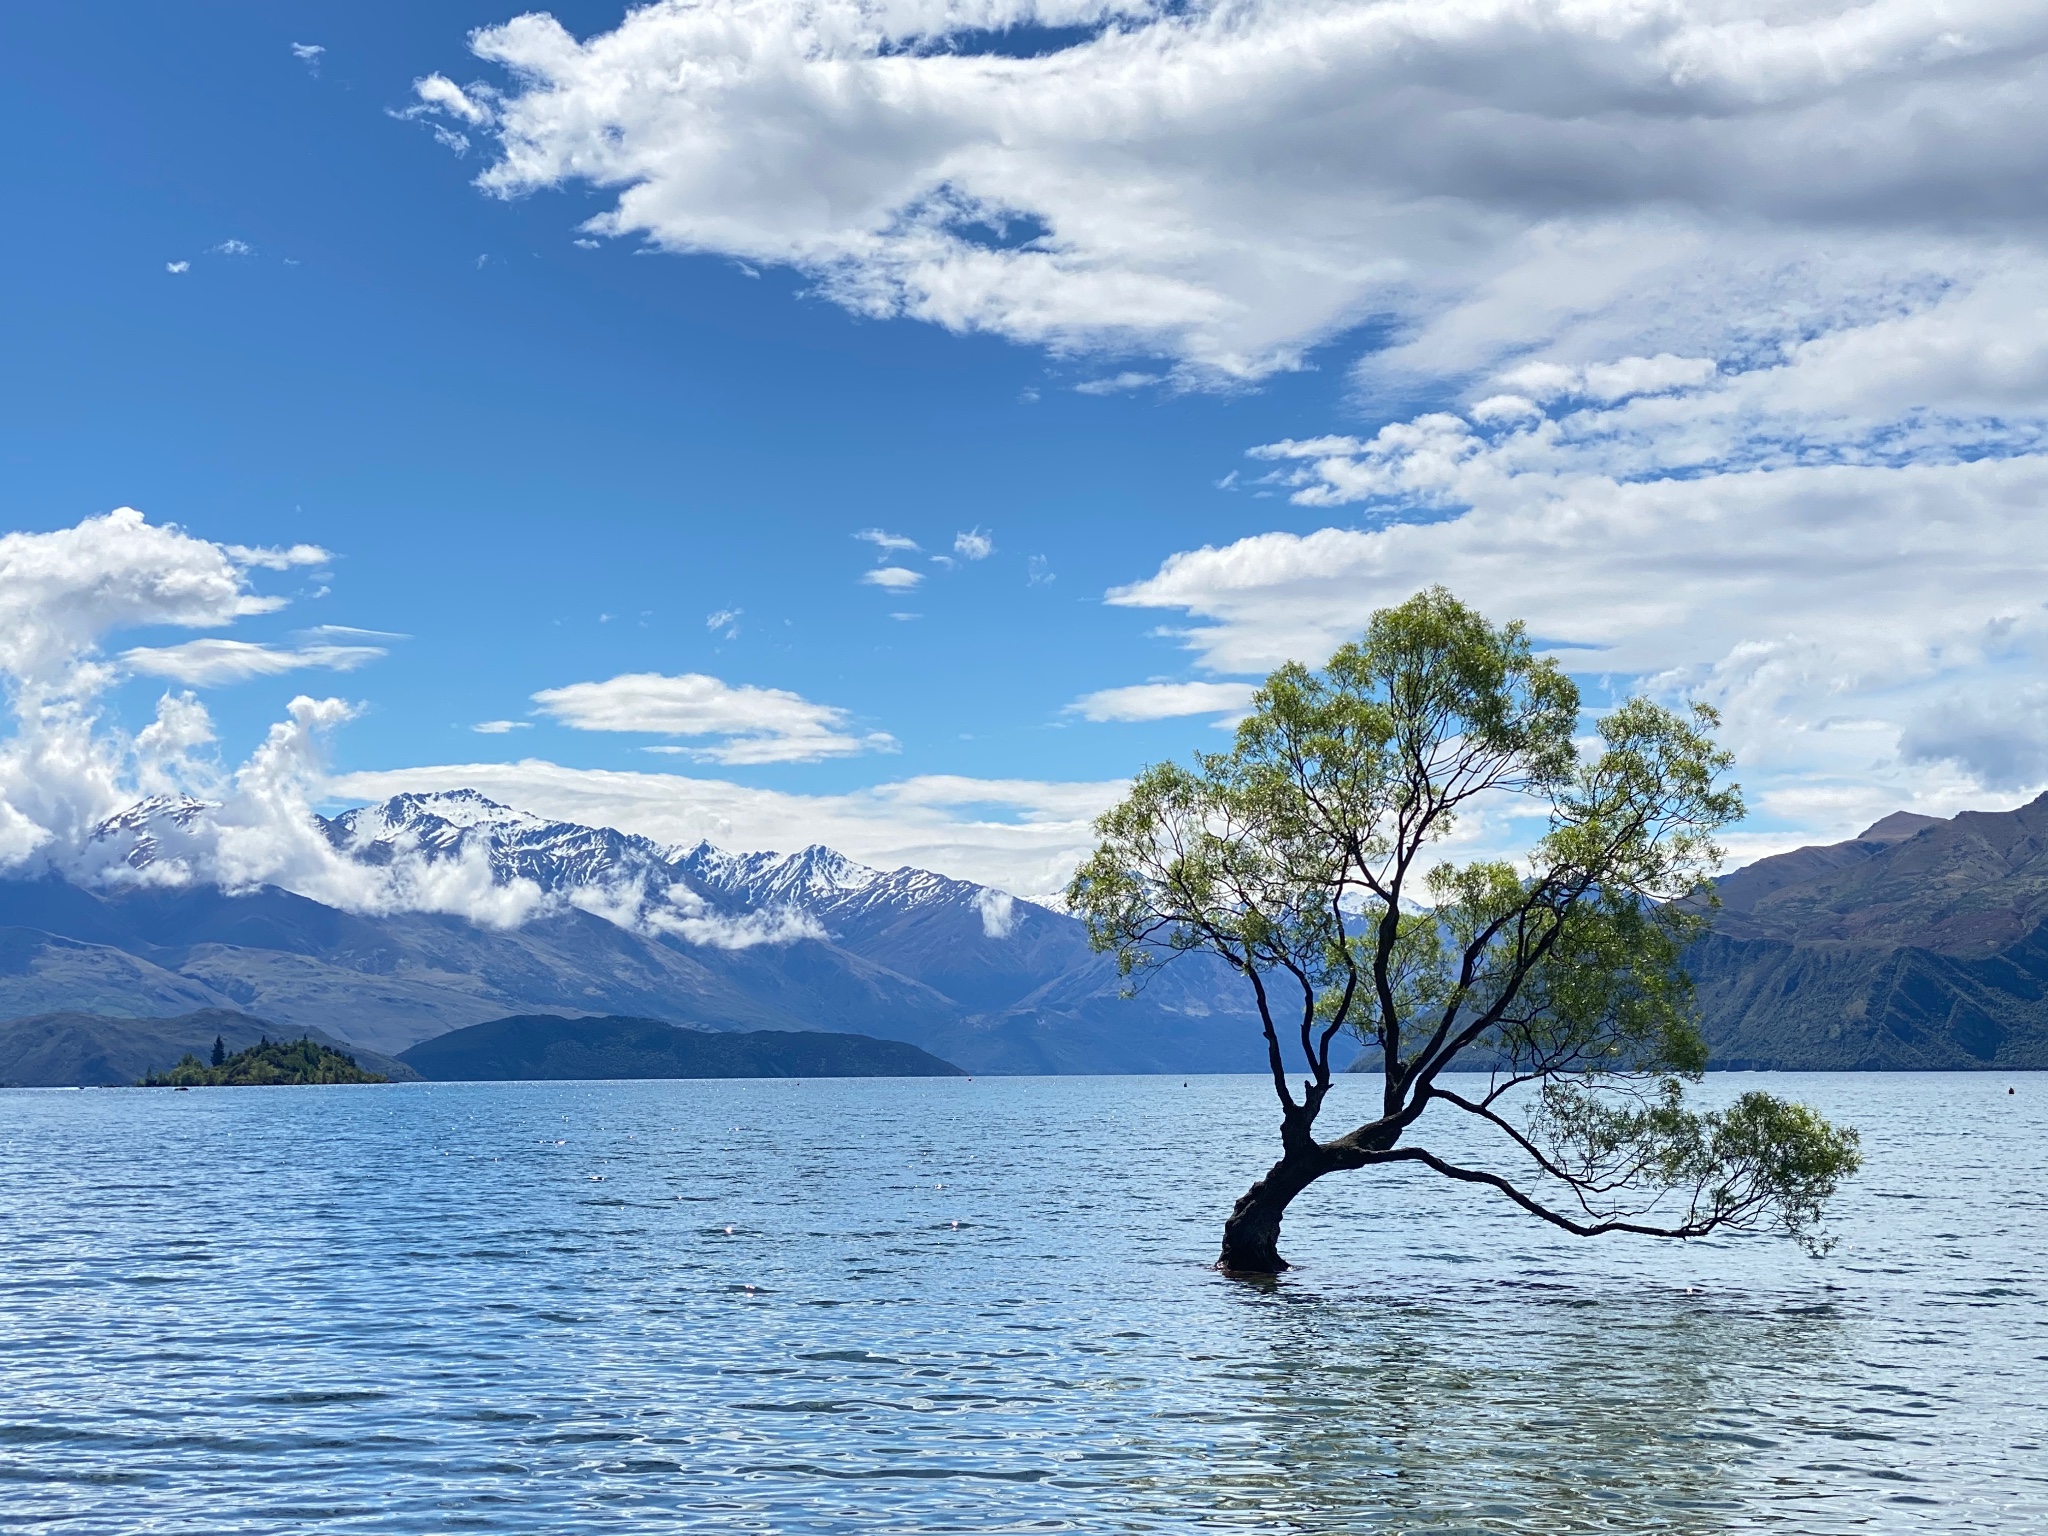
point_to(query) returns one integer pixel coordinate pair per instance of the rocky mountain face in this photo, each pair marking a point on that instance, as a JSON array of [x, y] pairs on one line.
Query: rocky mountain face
[[1921, 943], [621, 925]]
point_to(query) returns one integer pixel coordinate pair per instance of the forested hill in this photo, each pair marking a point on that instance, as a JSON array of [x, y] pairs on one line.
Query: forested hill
[[266, 1064], [84, 1050], [1922, 943], [549, 1047]]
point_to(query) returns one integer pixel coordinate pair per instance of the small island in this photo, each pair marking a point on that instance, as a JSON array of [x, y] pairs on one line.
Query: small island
[[265, 1064]]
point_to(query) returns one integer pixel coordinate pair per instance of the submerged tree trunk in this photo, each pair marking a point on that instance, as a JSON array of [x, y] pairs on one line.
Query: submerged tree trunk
[[1251, 1237]]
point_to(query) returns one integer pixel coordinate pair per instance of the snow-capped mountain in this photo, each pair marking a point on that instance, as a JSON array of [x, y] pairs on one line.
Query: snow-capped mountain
[[557, 856], [138, 836], [566, 859], [615, 924]]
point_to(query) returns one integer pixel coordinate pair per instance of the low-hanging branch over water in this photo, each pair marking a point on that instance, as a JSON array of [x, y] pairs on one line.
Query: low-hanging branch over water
[[1302, 857]]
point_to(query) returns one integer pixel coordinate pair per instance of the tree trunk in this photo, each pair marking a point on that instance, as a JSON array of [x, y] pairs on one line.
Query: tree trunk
[[1251, 1237]]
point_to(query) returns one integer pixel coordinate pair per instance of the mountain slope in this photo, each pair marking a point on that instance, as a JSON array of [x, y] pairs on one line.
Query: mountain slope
[[1921, 943], [66, 1050], [545, 1047], [620, 926]]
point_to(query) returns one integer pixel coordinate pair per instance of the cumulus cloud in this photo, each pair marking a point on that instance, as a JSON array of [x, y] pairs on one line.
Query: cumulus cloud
[[1841, 545], [975, 544], [892, 578], [67, 770], [60, 592], [438, 93], [500, 727], [998, 912], [1227, 183], [232, 248], [758, 725], [1020, 835], [175, 267], [1164, 701], [209, 663]]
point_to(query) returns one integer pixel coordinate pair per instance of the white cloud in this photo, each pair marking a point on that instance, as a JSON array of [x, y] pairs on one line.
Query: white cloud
[[893, 578], [64, 768], [975, 544], [759, 725], [888, 543], [1842, 544], [500, 727], [1118, 384], [440, 94], [232, 248], [1227, 183], [277, 559], [725, 623], [1019, 835], [60, 592], [210, 663], [308, 53], [998, 912], [177, 266], [1165, 701]]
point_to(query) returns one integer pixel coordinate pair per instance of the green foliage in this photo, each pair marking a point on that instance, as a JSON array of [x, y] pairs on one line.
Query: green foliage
[[266, 1063], [1307, 858]]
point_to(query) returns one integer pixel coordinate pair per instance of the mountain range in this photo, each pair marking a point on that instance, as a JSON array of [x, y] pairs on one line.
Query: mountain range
[[617, 925], [1922, 942]]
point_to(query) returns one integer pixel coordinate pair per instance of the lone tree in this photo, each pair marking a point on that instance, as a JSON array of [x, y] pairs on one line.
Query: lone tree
[[1302, 858]]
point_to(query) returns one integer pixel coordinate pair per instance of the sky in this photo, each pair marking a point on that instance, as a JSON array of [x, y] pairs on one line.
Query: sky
[[892, 425]]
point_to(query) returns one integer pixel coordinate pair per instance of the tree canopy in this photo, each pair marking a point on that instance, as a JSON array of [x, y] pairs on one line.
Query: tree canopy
[[1309, 858], [264, 1064]]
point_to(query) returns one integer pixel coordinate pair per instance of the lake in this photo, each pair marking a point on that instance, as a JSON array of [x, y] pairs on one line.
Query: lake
[[977, 1306]]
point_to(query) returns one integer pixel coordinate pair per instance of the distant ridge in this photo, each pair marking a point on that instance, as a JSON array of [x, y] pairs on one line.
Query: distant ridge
[[547, 1047], [87, 1050], [1920, 943]]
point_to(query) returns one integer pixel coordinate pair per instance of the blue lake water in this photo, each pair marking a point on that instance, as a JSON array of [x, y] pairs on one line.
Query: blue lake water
[[951, 1306]]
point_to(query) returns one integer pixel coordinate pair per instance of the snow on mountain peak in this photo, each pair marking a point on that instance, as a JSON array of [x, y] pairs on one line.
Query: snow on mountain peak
[[703, 894]]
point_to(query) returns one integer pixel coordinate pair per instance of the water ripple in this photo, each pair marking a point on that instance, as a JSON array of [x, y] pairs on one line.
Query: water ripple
[[973, 1307]]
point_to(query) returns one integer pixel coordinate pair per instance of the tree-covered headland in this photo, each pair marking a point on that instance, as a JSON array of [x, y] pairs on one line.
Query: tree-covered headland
[[1305, 857], [264, 1064]]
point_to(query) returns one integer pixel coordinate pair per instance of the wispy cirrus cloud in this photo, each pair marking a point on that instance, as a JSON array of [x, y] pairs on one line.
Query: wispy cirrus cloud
[[888, 543], [211, 663]]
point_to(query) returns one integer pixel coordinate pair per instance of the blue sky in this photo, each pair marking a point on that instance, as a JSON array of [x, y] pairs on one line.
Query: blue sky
[[547, 464]]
